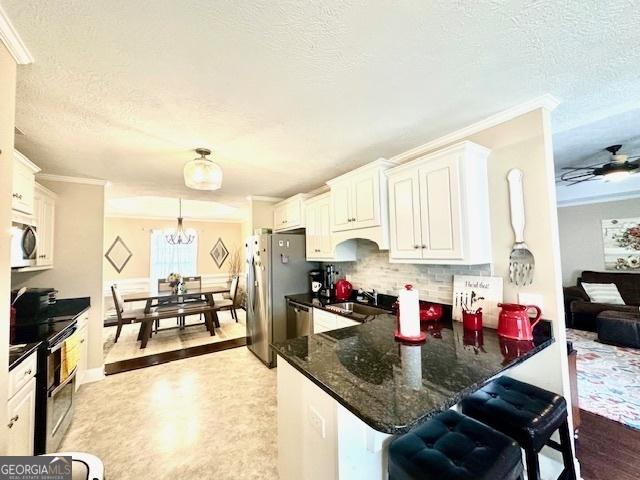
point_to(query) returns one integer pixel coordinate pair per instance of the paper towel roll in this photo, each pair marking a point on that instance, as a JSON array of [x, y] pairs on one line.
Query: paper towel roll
[[409, 312]]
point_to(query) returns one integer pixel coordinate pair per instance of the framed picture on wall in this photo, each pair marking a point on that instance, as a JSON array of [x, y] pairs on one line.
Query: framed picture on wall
[[475, 292], [621, 239]]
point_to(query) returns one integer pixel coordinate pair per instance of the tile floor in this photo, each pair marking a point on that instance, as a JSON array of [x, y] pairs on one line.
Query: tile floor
[[207, 417], [128, 346]]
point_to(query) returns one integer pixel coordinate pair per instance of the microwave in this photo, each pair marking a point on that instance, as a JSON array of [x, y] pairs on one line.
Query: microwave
[[24, 245]]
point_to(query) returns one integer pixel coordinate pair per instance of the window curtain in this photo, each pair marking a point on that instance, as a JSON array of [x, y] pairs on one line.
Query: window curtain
[[167, 258]]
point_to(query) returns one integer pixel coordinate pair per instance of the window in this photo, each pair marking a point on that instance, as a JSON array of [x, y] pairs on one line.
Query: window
[[166, 258]]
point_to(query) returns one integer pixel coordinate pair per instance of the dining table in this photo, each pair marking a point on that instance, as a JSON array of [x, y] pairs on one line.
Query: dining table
[[154, 297]]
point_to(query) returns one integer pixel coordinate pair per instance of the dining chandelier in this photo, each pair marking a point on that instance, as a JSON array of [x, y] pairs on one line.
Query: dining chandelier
[[202, 173], [179, 236]]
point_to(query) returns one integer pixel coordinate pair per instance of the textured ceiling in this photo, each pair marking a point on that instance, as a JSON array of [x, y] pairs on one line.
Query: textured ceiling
[[291, 93]]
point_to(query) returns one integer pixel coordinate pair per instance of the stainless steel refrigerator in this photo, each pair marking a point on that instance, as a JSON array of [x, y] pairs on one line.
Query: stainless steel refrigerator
[[276, 266]]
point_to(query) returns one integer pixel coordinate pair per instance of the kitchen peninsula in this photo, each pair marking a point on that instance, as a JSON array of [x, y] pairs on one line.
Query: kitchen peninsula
[[342, 394]]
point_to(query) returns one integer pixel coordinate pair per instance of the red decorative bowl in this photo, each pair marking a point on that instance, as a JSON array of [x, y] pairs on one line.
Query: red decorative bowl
[[429, 312]]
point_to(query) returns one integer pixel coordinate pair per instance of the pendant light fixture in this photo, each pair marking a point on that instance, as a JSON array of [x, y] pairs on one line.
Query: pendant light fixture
[[180, 235], [202, 173]]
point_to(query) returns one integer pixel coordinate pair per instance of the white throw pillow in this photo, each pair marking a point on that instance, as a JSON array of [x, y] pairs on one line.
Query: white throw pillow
[[603, 293]]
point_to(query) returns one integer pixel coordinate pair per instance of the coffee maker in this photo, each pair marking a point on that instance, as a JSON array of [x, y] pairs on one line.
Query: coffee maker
[[329, 282]]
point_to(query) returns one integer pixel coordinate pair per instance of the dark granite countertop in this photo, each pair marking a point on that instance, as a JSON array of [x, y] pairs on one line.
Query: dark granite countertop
[[393, 387], [18, 353], [384, 301], [50, 322]]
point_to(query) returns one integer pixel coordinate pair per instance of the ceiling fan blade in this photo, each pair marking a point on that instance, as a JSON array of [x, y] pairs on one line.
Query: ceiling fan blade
[[571, 176], [580, 181]]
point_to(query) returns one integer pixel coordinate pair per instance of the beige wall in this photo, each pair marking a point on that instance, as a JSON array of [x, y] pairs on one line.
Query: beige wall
[[78, 250], [7, 122], [581, 245], [259, 215], [136, 234]]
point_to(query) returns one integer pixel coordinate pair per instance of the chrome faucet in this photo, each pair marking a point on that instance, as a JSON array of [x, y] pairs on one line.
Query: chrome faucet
[[373, 295]]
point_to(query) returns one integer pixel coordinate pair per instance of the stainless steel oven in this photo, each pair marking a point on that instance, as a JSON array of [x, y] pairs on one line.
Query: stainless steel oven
[[60, 388], [24, 245]]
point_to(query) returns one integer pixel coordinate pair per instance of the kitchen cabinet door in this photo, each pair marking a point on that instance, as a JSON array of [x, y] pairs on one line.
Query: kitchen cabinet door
[[84, 352], [23, 186], [343, 322], [404, 215], [323, 321], [280, 217], [294, 213], [21, 410], [44, 212], [341, 206], [365, 193], [440, 209], [311, 230], [323, 226]]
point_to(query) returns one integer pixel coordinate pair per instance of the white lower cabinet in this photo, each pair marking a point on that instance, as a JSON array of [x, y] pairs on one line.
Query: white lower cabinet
[[21, 409], [324, 321], [439, 208], [84, 349]]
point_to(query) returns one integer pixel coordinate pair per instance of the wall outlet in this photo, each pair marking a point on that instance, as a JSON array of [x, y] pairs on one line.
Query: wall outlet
[[317, 421]]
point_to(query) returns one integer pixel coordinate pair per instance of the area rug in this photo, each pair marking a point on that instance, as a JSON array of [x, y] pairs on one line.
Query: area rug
[[170, 339], [608, 378]]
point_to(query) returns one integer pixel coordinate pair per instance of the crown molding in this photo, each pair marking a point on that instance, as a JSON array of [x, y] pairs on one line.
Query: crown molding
[[13, 42], [613, 197], [172, 217], [21, 157], [260, 198], [62, 178], [547, 102]]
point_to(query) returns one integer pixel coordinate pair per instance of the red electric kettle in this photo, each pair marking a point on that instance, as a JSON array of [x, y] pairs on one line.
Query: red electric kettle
[[514, 321], [343, 290]]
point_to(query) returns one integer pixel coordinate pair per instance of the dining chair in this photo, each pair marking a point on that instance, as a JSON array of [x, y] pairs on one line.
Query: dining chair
[[129, 317], [231, 302]]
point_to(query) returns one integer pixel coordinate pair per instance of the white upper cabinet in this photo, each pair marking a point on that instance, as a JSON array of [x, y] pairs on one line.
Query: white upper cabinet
[[319, 237], [439, 208], [289, 214], [44, 216], [24, 179], [357, 200]]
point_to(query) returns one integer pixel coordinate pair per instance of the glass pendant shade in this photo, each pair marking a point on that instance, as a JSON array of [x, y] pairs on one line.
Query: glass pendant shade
[[201, 173]]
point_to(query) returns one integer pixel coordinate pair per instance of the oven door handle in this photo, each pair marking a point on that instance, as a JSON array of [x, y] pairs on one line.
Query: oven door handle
[[60, 343], [63, 384]]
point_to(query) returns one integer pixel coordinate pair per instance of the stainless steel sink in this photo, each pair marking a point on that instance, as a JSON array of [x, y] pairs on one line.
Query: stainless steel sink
[[356, 310]]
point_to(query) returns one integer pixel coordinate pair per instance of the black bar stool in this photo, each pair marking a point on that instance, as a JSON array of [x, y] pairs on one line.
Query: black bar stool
[[452, 446], [527, 414]]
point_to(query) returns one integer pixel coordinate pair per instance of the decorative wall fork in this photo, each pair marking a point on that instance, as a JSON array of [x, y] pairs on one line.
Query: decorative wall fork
[[521, 261]]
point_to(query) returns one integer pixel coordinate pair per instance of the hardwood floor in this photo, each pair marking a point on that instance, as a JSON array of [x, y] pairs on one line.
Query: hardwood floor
[[607, 450], [165, 357]]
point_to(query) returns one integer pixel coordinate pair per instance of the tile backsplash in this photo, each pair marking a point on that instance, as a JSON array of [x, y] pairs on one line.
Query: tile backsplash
[[373, 270]]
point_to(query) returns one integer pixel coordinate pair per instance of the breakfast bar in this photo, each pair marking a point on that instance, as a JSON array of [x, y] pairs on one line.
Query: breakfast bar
[[342, 394]]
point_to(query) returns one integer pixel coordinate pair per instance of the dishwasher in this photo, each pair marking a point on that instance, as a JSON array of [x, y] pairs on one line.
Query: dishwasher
[[299, 320]]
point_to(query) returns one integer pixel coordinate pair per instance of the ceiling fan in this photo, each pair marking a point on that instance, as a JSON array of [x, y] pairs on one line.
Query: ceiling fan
[[618, 167]]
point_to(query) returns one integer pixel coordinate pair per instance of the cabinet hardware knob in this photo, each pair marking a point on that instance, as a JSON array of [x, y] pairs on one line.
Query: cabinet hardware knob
[[424, 246], [28, 372], [416, 246], [82, 341], [13, 420]]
